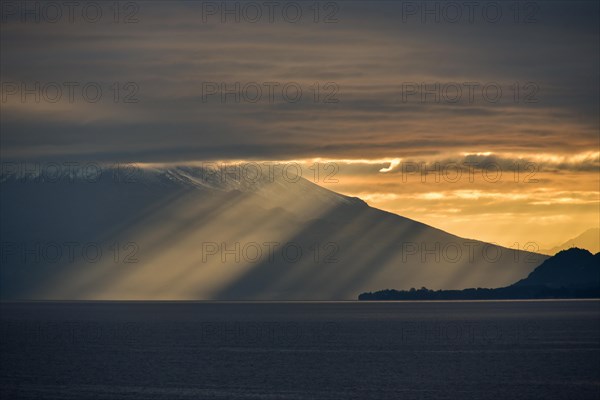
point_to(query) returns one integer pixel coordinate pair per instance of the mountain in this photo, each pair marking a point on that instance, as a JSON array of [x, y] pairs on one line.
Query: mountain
[[212, 233], [573, 273], [589, 240], [572, 268]]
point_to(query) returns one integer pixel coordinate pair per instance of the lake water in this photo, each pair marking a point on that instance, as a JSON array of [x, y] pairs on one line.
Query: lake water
[[317, 350]]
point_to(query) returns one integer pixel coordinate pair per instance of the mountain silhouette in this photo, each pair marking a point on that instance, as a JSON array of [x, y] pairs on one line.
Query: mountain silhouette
[[198, 233], [572, 273], [572, 268]]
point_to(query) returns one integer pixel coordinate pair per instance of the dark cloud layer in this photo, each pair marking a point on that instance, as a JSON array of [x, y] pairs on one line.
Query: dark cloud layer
[[371, 54]]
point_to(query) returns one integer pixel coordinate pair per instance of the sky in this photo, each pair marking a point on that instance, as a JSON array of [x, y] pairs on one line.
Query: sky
[[478, 119]]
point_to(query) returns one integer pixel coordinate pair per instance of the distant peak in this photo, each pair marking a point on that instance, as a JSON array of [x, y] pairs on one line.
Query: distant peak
[[573, 251]]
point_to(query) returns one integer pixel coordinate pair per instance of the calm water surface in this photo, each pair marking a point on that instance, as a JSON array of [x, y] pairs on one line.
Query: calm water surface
[[348, 350]]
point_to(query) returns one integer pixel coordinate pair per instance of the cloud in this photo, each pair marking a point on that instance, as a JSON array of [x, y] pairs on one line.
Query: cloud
[[370, 55]]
